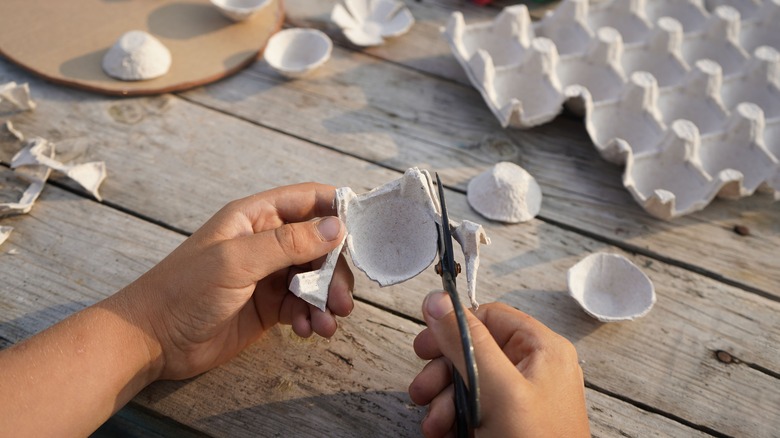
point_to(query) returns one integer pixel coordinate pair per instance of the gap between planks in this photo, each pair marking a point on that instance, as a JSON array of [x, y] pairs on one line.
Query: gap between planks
[[634, 249], [381, 307], [172, 423]]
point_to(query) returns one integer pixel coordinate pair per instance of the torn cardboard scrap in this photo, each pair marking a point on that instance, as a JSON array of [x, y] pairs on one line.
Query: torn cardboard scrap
[[14, 97], [88, 175]]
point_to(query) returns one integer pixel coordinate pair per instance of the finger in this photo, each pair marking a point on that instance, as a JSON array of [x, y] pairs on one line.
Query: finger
[[441, 414], [294, 203], [425, 345], [323, 323], [517, 333], [433, 379], [292, 244], [494, 368], [301, 324], [340, 291]]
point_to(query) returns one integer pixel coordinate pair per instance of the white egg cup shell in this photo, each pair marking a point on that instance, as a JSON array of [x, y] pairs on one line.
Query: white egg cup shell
[[369, 22], [610, 288], [506, 192], [239, 10], [294, 53], [137, 56], [392, 236], [635, 67]]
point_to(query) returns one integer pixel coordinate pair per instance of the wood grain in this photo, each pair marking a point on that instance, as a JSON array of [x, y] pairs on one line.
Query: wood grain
[[648, 361], [73, 252], [399, 118], [204, 45]]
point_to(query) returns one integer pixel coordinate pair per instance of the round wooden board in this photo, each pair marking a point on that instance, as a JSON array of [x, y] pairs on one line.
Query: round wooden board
[[65, 40]]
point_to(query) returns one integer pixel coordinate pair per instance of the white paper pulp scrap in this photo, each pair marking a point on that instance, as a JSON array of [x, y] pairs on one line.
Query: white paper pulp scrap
[[15, 97], [13, 131], [4, 233], [88, 175], [313, 286], [470, 236], [22, 187]]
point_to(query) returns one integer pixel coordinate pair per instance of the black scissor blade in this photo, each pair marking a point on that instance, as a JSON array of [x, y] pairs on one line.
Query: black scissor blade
[[448, 257]]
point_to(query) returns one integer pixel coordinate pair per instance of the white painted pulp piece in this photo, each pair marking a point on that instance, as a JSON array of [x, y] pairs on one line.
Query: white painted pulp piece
[[296, 52], [610, 288], [239, 10], [392, 236], [15, 97], [88, 175], [137, 56], [506, 192], [35, 177], [5, 232], [369, 22]]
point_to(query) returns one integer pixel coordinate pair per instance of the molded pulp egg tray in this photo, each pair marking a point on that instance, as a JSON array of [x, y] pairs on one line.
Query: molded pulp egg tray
[[686, 96]]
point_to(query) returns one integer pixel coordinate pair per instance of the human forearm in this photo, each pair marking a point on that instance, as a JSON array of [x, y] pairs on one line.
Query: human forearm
[[69, 379]]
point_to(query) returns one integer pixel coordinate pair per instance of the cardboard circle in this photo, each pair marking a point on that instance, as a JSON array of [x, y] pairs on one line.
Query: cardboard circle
[[64, 41]]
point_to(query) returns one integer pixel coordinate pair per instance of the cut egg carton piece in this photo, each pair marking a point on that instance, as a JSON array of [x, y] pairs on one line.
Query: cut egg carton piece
[[368, 22], [610, 288], [392, 236], [633, 68]]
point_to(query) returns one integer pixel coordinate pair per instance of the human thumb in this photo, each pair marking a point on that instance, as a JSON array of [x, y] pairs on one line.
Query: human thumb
[[289, 245], [492, 364]]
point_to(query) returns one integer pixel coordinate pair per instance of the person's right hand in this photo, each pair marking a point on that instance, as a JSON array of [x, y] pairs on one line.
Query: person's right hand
[[531, 384]]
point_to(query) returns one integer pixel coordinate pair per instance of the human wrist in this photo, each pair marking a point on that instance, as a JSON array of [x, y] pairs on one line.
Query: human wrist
[[133, 307]]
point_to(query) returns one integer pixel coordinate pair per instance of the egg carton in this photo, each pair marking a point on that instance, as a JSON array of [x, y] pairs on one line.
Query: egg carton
[[662, 84]]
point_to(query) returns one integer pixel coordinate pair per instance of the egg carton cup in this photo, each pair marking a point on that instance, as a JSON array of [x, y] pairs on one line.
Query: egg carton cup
[[392, 236], [634, 68]]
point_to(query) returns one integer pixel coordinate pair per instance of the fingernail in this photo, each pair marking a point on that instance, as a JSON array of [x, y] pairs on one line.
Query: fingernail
[[438, 304], [329, 228]]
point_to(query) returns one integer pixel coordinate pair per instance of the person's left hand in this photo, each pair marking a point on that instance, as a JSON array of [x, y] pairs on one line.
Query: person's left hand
[[228, 283]]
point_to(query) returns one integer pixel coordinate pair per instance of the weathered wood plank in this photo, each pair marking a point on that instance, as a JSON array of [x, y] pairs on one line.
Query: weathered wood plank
[[73, 252], [400, 118], [619, 420], [133, 421], [198, 150]]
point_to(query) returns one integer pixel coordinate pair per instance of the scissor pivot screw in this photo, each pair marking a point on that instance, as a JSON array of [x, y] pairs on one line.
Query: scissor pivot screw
[[437, 268]]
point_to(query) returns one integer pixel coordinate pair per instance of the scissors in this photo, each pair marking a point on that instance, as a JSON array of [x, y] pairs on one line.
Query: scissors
[[466, 399]]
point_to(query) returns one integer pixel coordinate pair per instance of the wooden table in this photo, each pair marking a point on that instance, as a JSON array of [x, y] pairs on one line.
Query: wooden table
[[705, 361]]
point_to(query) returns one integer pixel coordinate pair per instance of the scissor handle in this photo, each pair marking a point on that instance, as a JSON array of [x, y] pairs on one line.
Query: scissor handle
[[467, 398]]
